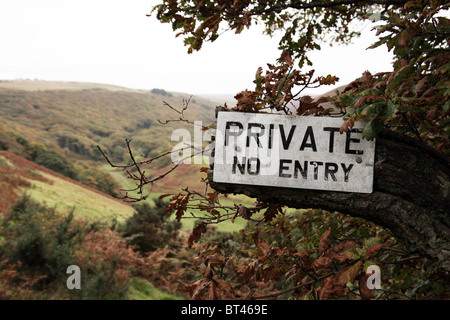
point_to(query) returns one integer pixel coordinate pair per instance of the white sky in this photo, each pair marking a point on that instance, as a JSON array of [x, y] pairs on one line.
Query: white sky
[[112, 41]]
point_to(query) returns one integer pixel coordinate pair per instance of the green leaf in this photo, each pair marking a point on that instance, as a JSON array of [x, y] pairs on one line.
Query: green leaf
[[349, 99], [446, 107], [390, 111], [370, 92], [256, 252], [401, 75], [310, 295], [382, 41], [371, 129]]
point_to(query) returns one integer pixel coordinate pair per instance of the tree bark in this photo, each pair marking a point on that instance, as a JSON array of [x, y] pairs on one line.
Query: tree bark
[[411, 196]]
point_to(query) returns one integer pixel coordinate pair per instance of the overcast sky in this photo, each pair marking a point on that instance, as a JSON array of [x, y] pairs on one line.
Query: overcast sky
[[112, 41]]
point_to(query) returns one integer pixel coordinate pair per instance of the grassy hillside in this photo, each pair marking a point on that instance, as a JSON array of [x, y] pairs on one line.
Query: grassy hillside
[[75, 121], [18, 176], [71, 119]]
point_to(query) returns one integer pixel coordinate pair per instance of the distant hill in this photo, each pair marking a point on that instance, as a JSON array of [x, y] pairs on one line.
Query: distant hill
[[77, 120], [39, 85]]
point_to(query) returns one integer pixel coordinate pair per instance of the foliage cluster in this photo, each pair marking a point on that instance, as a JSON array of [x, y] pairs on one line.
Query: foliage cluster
[[60, 163], [149, 228], [161, 92], [37, 244], [413, 98], [49, 159], [98, 179], [313, 254]]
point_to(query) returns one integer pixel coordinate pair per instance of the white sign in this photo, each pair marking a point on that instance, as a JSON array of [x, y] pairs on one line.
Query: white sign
[[292, 151]]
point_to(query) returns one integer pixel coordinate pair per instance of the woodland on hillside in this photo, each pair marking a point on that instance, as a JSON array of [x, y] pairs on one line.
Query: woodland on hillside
[[58, 205]]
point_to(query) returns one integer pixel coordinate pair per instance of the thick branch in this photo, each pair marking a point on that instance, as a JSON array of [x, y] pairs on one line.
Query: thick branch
[[329, 4], [411, 196]]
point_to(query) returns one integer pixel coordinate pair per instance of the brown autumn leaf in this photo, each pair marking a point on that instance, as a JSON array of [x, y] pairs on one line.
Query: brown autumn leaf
[[175, 197], [366, 293], [343, 246], [328, 80], [431, 114], [367, 79], [198, 288], [248, 270], [373, 249], [324, 242], [429, 93], [196, 233], [245, 98], [208, 273], [353, 85], [179, 214], [286, 57], [347, 274], [271, 212], [346, 125], [180, 205], [306, 103], [380, 85], [341, 252], [225, 287], [329, 289], [212, 196], [364, 100], [213, 293], [405, 37], [439, 59], [244, 212], [213, 261], [403, 66], [420, 86], [304, 255], [262, 245], [259, 72], [204, 246], [321, 262]]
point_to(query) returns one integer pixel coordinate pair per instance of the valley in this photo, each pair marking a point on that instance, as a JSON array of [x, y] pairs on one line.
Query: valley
[[49, 133]]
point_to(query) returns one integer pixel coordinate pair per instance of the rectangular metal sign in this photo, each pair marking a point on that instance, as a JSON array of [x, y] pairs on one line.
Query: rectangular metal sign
[[292, 151]]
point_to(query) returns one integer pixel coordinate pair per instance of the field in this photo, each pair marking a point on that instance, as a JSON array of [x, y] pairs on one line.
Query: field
[[62, 193]]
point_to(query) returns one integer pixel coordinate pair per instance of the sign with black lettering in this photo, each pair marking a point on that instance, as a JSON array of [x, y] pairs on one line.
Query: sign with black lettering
[[292, 151]]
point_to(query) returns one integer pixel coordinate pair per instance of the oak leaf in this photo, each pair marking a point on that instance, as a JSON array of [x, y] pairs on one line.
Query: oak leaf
[[321, 262], [324, 242], [286, 57], [365, 292], [244, 212], [196, 233], [213, 293], [373, 249]]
